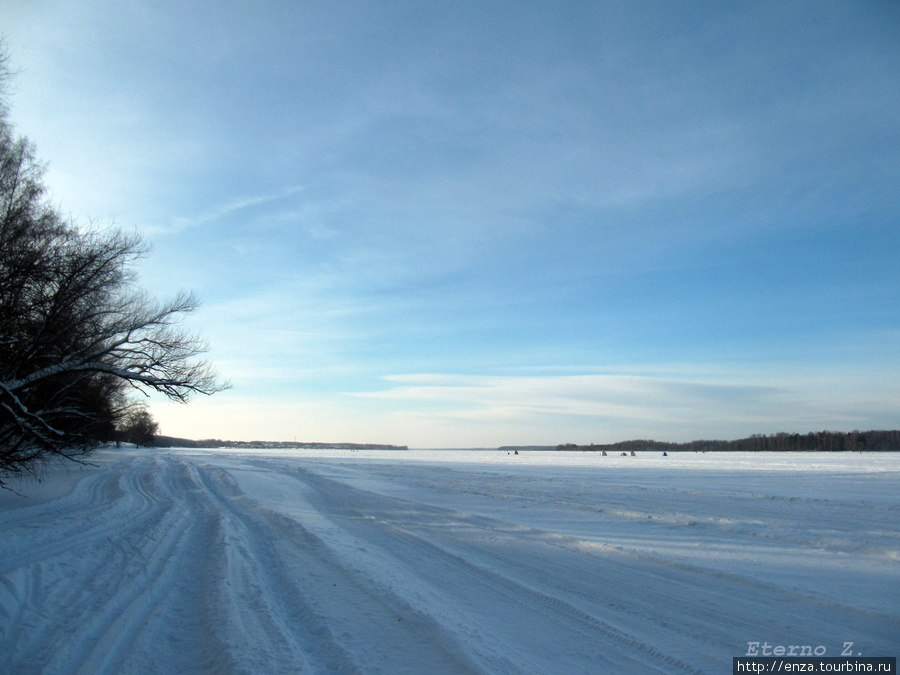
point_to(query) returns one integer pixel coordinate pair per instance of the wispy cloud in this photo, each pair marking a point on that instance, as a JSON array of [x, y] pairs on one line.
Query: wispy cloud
[[622, 396], [221, 211], [608, 406]]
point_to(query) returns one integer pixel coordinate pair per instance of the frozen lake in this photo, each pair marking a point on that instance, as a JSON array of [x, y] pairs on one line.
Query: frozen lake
[[446, 561]]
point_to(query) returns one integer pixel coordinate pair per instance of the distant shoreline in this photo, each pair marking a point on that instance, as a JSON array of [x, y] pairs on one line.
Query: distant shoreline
[[171, 442], [818, 441], [814, 441]]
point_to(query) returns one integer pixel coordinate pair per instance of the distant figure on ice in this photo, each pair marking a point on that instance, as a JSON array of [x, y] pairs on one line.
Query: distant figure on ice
[[665, 455], [624, 454], [603, 454], [632, 453]]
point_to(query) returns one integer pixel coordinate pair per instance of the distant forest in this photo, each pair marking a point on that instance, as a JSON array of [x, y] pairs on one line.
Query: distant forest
[[815, 441], [170, 442]]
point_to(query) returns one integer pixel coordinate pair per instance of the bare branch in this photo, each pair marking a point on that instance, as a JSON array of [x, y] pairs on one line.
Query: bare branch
[[76, 332]]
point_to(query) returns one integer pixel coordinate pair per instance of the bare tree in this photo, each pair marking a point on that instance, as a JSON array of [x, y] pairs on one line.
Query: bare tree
[[75, 331], [138, 427]]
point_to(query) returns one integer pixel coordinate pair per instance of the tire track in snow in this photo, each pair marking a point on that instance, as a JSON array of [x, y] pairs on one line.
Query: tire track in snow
[[557, 610], [682, 612], [279, 607], [160, 562], [775, 520], [165, 563], [165, 542], [753, 515], [335, 606], [69, 560], [100, 587], [345, 504], [95, 508]]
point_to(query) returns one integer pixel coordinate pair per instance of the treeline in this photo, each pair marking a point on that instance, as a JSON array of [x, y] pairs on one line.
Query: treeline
[[814, 441], [170, 442]]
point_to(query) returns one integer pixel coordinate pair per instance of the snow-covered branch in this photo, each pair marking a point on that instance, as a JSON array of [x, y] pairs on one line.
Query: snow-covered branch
[[75, 331]]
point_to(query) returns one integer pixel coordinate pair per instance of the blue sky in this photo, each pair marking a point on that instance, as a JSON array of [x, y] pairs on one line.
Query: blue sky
[[481, 223]]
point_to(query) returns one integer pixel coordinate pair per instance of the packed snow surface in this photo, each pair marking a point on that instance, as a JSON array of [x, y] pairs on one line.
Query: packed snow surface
[[183, 561]]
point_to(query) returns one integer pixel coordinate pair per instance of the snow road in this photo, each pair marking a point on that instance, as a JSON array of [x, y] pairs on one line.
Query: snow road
[[446, 562]]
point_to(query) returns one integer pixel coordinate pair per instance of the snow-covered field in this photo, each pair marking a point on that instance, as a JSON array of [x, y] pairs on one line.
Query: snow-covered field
[[183, 561]]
